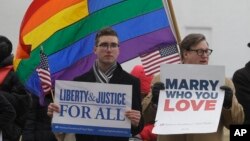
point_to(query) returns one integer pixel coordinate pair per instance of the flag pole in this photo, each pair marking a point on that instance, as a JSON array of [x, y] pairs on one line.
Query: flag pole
[[171, 10], [51, 92], [41, 48], [52, 95]]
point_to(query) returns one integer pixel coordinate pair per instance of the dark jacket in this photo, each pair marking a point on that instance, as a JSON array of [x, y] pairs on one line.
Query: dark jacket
[[7, 112], [119, 77], [241, 79], [38, 123], [13, 90]]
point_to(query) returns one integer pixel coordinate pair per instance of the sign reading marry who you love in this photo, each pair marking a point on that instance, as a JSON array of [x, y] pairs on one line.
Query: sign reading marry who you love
[[92, 108], [192, 99]]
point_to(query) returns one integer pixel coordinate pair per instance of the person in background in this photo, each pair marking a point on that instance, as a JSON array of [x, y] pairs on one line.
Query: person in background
[[149, 109], [145, 80], [241, 79], [148, 90], [13, 90], [106, 69], [195, 50]]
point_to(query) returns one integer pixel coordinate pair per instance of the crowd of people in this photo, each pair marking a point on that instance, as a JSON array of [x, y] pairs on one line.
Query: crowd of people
[[21, 116]]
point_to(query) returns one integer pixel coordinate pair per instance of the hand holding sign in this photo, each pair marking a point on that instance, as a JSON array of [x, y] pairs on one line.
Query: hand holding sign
[[228, 97], [155, 91], [51, 108], [134, 116]]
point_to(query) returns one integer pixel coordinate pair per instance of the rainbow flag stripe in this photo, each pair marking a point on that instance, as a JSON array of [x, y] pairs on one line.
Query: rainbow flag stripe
[[66, 30]]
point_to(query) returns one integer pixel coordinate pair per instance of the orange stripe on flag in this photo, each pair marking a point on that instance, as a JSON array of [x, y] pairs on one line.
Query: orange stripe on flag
[[59, 21], [37, 13], [46, 11]]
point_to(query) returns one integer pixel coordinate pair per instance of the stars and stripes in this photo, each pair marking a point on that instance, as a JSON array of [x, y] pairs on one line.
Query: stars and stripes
[[164, 55], [44, 73]]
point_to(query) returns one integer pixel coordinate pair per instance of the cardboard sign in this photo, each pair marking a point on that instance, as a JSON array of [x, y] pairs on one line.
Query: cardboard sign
[[92, 108], [192, 99]]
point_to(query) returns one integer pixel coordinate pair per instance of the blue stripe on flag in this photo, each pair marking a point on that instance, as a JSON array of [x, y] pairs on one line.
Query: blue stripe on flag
[[95, 6]]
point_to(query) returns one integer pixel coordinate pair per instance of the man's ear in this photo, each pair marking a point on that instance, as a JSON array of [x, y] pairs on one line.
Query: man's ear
[[95, 49], [185, 54]]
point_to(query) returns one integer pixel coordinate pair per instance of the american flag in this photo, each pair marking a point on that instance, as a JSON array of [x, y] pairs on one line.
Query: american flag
[[165, 55], [44, 73]]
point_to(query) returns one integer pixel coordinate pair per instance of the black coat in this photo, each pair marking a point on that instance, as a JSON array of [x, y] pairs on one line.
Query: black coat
[[13, 90], [7, 112], [241, 79], [119, 77]]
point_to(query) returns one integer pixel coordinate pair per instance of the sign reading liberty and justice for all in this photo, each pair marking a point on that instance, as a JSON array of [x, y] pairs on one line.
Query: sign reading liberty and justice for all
[[92, 108], [192, 99]]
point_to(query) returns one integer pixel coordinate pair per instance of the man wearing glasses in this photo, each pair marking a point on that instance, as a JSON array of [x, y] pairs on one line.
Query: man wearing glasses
[[195, 50], [106, 69]]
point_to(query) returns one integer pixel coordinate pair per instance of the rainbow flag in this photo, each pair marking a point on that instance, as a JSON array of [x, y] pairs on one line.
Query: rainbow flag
[[66, 30]]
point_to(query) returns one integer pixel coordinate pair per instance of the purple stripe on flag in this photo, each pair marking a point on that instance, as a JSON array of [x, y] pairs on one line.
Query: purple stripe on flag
[[80, 67], [137, 46]]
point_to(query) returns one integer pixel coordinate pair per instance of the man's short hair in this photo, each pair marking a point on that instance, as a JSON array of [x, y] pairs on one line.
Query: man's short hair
[[191, 40], [108, 31]]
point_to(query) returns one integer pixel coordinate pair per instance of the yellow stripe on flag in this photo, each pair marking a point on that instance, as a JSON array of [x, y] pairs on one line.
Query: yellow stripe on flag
[[56, 22], [16, 63]]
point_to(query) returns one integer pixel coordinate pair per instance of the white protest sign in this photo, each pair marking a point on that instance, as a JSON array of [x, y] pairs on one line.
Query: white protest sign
[[192, 101], [92, 108]]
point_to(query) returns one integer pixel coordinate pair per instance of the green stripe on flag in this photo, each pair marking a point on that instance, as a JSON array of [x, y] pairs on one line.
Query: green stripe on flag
[[109, 16]]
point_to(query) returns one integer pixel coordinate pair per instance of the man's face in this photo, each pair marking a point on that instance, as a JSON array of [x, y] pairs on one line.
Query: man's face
[[192, 57], [107, 50]]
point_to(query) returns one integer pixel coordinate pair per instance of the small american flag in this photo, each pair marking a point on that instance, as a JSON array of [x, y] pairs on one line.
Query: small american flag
[[44, 73], [165, 55]]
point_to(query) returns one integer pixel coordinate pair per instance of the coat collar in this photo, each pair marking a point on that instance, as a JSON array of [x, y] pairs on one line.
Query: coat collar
[[248, 66]]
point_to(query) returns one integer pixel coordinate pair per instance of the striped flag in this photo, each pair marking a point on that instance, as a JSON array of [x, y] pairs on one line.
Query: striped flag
[[164, 55], [44, 73], [67, 29]]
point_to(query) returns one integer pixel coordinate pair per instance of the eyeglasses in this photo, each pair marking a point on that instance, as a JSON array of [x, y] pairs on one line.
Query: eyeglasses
[[107, 45], [200, 52]]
